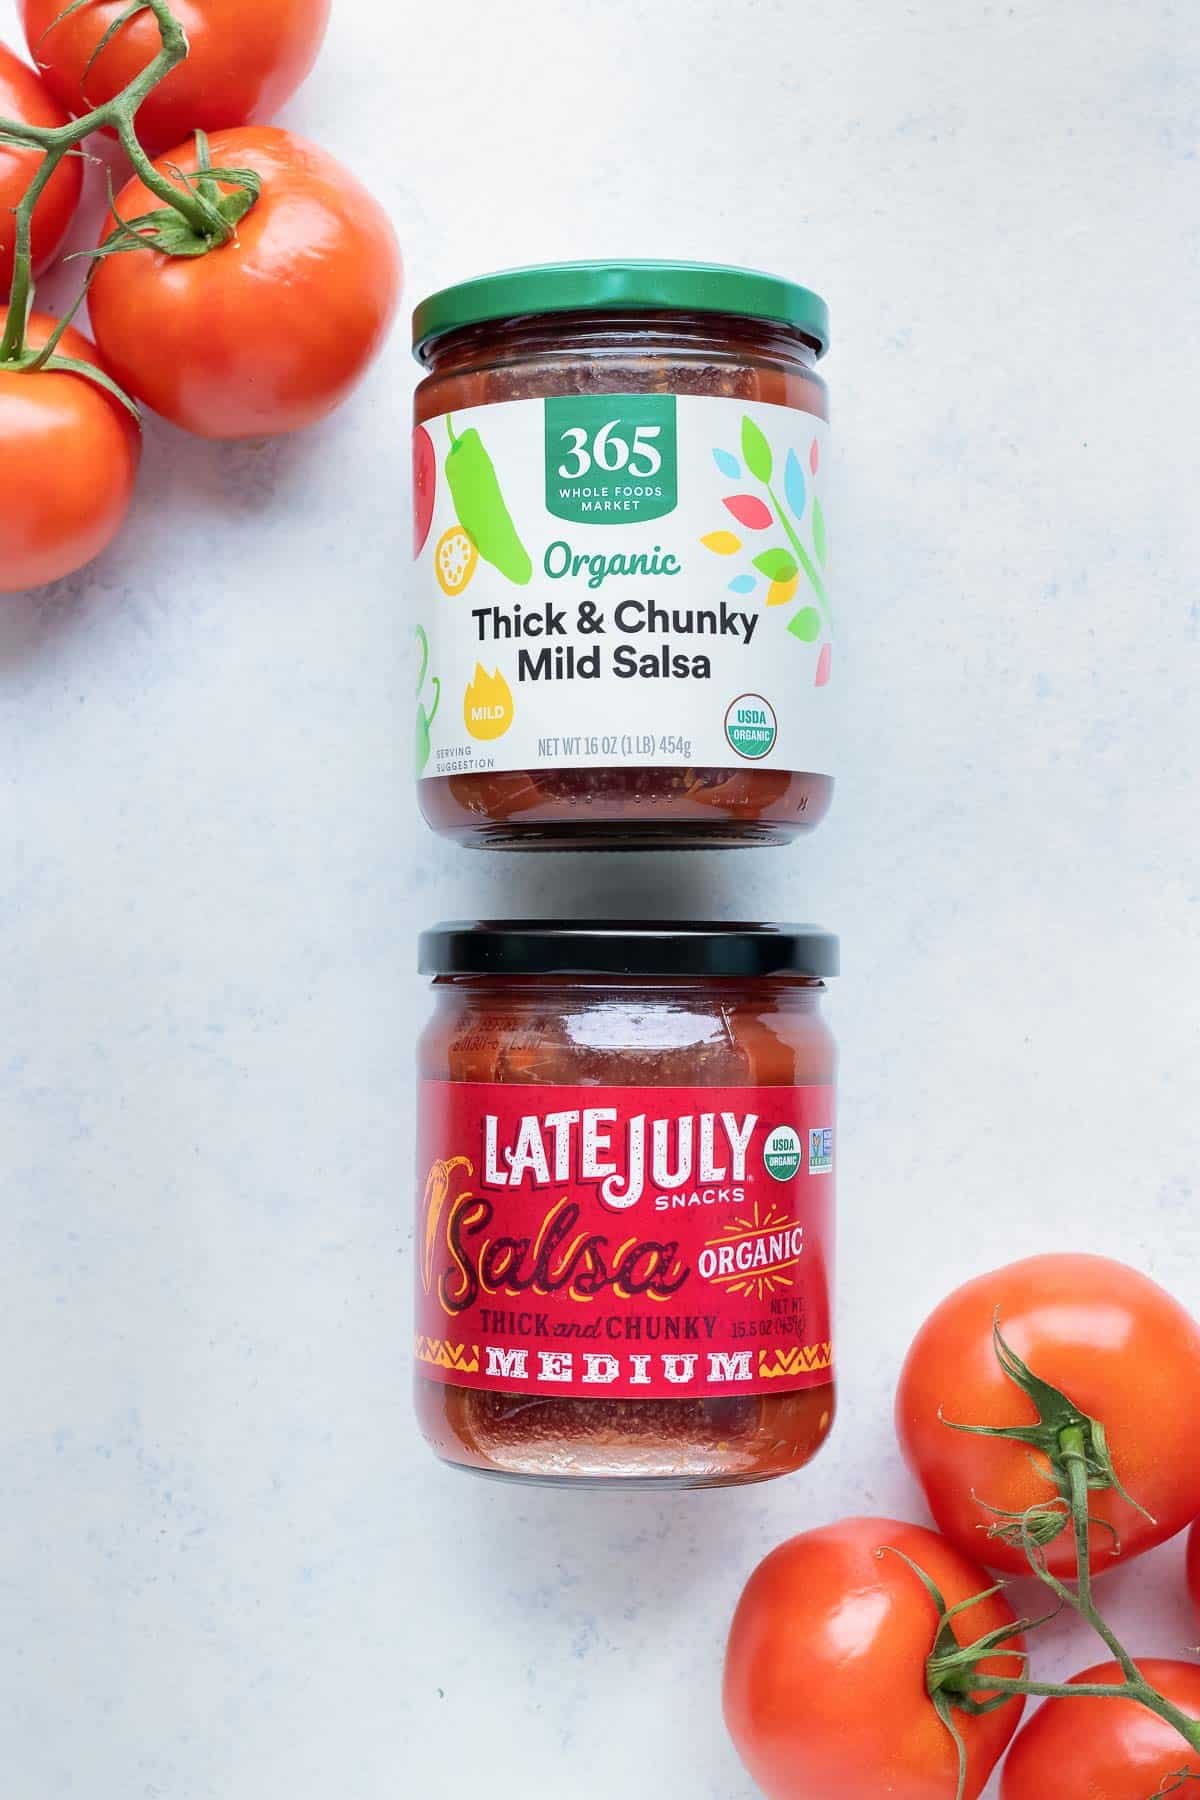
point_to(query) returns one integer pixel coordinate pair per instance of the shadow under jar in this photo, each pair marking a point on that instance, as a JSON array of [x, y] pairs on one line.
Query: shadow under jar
[[623, 559], [625, 1217]]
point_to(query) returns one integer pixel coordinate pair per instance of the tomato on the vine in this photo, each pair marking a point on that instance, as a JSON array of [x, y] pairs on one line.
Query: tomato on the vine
[[244, 60], [1121, 1349], [825, 1675], [271, 330], [68, 458], [23, 96], [1193, 1565], [1113, 1749]]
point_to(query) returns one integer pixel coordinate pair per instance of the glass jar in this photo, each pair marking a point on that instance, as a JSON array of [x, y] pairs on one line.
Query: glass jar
[[625, 637], [625, 1202]]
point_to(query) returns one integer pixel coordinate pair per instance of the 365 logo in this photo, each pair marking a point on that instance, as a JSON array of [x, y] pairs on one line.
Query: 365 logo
[[611, 459]]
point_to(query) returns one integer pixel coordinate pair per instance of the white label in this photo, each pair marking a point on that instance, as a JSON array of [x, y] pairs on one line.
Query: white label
[[635, 580]]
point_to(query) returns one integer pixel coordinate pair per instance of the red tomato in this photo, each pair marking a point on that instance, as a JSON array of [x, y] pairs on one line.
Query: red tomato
[[1193, 1565], [68, 457], [22, 96], [244, 60], [424, 487], [825, 1672], [272, 330], [1120, 1348], [1113, 1749]]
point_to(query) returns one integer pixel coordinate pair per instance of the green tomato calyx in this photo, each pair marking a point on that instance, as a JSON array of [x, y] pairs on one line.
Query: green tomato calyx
[[211, 218], [1066, 1444], [953, 1677]]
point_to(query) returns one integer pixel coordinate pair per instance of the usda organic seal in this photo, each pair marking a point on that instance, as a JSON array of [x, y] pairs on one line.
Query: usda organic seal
[[751, 727], [783, 1153]]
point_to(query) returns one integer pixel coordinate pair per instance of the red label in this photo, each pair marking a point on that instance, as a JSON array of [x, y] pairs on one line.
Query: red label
[[635, 1242]]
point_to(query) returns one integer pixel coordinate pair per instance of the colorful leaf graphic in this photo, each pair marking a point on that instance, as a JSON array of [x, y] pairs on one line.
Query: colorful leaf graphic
[[756, 451], [743, 584], [723, 542], [806, 625], [780, 592], [794, 485], [824, 665], [728, 465], [750, 512], [776, 565], [820, 541], [814, 456]]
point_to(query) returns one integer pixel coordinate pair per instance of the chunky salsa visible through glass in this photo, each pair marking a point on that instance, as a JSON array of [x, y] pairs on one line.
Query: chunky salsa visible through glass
[[674, 801], [522, 1049]]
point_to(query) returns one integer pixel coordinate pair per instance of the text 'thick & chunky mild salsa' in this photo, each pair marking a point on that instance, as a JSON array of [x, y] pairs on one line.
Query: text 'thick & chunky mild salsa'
[[623, 558], [625, 1217]]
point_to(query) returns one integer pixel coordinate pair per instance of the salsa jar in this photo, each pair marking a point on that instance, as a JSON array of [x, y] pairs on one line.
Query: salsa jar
[[625, 1204], [623, 559]]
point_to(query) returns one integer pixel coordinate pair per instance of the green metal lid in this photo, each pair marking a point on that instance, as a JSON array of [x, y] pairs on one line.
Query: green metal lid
[[617, 286]]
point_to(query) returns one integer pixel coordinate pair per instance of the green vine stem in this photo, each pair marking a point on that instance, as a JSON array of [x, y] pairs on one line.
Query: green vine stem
[[957, 1684], [1079, 1598], [1078, 1463], [207, 219]]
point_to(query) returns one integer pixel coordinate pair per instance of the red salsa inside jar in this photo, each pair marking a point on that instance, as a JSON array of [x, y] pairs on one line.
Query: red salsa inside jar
[[625, 1206], [625, 634]]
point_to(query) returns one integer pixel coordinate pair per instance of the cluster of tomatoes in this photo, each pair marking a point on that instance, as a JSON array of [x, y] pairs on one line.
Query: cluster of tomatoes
[[827, 1688], [264, 332]]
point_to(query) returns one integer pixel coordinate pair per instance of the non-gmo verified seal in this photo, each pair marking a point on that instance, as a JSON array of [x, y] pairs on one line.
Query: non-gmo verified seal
[[820, 1150], [783, 1153], [751, 727]]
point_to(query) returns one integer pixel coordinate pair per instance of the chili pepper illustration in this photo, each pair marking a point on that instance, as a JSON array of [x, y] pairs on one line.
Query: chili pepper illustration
[[424, 719], [437, 1192], [480, 506]]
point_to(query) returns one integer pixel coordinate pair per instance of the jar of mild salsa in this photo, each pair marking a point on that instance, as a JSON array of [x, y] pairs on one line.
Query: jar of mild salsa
[[626, 1201], [625, 636]]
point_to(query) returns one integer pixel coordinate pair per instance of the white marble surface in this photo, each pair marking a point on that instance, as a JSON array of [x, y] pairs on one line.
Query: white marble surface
[[228, 1569]]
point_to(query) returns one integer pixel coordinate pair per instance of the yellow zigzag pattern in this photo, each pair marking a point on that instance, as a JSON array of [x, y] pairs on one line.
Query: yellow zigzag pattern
[[774, 1364], [463, 1357]]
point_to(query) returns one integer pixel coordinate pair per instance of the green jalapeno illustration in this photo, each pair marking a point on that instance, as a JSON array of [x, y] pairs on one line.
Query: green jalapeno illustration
[[479, 503], [424, 719]]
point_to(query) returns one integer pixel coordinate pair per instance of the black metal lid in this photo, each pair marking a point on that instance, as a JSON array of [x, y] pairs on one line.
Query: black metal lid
[[654, 947]]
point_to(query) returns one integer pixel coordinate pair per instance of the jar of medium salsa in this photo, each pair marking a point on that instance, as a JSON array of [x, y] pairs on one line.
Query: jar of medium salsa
[[625, 634], [625, 1220]]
